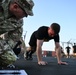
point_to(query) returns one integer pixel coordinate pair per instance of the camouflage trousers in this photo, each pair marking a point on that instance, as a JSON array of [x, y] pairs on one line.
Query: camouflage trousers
[[7, 56]]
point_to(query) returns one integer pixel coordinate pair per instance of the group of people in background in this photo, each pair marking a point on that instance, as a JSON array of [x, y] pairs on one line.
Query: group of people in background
[[68, 49]]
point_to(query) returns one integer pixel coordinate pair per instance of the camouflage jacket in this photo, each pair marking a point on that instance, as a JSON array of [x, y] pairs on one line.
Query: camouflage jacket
[[8, 23], [11, 29]]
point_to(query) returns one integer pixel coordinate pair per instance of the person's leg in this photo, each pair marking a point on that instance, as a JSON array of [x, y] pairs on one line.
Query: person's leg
[[68, 54], [33, 49], [29, 52], [17, 51], [17, 48]]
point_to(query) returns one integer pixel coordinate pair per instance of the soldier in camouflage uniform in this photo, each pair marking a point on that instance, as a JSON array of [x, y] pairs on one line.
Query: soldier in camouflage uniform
[[11, 22]]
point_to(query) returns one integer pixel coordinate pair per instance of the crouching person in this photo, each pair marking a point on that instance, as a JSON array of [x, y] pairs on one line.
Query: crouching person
[[11, 14]]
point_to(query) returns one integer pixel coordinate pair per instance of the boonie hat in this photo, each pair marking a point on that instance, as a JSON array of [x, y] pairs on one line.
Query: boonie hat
[[26, 5]]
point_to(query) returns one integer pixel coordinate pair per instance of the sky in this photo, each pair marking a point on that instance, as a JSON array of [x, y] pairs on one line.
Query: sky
[[47, 12]]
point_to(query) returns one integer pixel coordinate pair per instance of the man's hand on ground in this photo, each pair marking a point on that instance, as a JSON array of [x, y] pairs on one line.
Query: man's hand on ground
[[62, 63], [42, 63]]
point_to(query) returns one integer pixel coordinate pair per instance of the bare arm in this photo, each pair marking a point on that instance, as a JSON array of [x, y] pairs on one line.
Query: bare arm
[[58, 53], [39, 52], [39, 49]]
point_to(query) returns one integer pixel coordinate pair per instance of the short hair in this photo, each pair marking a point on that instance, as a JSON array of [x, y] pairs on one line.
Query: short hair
[[55, 27]]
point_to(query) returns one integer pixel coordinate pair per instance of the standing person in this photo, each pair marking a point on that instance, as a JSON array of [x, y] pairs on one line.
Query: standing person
[[68, 51], [11, 22], [41, 35], [74, 49]]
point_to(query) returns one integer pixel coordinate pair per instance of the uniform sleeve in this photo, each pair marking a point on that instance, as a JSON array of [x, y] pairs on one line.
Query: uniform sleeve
[[15, 32], [9, 25]]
